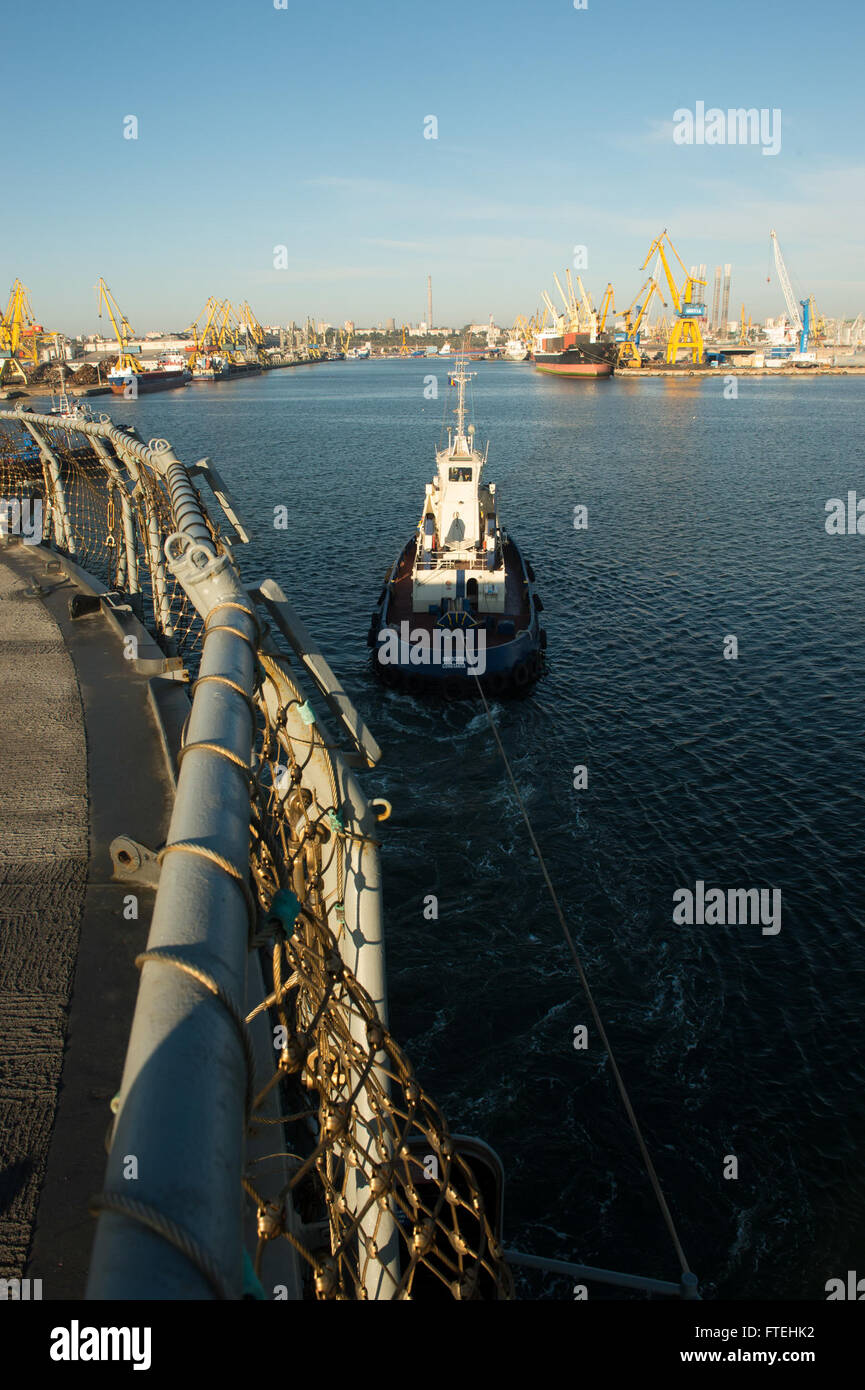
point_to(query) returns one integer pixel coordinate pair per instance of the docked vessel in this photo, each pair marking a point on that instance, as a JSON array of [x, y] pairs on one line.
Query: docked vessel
[[209, 367], [458, 607], [515, 350], [572, 354], [138, 380]]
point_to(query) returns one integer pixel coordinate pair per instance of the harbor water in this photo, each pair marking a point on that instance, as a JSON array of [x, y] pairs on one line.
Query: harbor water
[[706, 520]]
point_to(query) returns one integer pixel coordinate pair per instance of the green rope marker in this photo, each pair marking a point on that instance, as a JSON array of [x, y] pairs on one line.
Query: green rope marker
[[284, 909], [334, 820], [339, 909], [306, 713]]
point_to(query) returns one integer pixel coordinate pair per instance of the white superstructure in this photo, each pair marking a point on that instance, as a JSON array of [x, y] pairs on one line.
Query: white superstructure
[[459, 549]]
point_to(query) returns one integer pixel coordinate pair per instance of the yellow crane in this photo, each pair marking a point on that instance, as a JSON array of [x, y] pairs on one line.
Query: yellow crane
[[127, 360], [18, 335], [818, 323], [226, 330], [313, 347], [524, 330], [629, 352], [608, 306], [252, 329], [688, 309], [204, 338]]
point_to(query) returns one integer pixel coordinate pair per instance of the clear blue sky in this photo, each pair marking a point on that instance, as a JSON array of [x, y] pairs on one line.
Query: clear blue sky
[[303, 127]]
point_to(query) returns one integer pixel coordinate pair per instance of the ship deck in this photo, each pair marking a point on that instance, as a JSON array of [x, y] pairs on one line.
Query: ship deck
[[83, 761], [517, 608]]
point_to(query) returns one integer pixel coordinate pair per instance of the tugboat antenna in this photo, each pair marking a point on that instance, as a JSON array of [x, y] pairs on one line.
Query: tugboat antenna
[[461, 376]]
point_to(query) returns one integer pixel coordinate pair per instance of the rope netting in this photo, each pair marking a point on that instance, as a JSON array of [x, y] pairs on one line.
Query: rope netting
[[396, 1193], [75, 483]]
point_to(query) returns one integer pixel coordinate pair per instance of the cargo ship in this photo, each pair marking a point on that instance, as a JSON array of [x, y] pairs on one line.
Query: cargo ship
[[243, 367], [209, 367], [573, 354], [131, 381], [458, 608]]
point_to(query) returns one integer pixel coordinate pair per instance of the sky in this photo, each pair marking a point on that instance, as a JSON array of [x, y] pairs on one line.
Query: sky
[[266, 124]]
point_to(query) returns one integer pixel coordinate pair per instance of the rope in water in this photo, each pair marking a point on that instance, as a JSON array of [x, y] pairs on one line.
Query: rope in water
[[626, 1101]]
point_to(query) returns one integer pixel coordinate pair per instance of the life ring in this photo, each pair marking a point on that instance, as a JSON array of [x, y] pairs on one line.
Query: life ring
[[521, 675]]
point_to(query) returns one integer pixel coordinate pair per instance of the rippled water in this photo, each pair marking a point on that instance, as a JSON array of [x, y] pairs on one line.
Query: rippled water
[[706, 518]]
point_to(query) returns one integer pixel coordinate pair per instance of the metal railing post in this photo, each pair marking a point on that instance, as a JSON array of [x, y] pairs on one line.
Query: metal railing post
[[149, 535], [58, 490], [128, 573], [185, 1086]]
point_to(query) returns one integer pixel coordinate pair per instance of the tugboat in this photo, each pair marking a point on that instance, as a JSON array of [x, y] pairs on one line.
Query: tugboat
[[458, 607]]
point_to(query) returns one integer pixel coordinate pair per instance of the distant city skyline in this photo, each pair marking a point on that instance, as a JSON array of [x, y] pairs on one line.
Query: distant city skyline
[[298, 178]]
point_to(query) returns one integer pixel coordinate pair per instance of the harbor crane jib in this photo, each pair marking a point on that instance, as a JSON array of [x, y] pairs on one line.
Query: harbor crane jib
[[687, 304], [629, 348], [127, 360], [18, 334], [801, 323], [608, 306]]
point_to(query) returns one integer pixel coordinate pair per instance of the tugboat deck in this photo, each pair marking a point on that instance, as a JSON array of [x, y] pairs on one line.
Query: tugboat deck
[[517, 609]]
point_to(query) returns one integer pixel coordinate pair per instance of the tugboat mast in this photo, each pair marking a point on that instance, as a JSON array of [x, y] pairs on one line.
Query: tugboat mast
[[461, 377]]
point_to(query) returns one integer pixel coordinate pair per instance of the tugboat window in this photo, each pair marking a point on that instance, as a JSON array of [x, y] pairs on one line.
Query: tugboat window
[[460, 475]]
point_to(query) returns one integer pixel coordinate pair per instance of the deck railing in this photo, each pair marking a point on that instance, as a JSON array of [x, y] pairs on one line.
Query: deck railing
[[284, 1146]]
